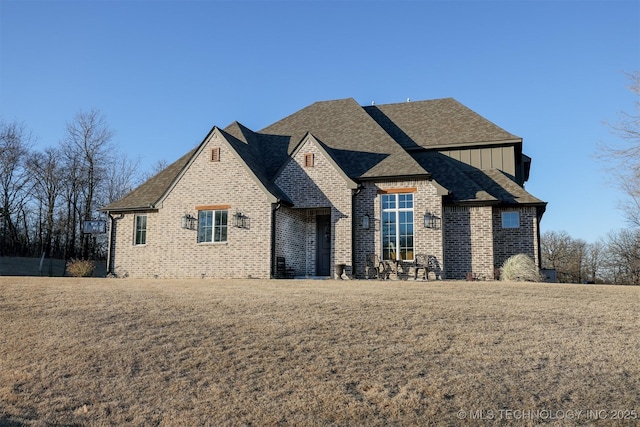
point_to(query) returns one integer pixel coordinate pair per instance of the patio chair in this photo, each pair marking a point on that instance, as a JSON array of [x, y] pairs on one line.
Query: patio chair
[[282, 271], [427, 263], [373, 264]]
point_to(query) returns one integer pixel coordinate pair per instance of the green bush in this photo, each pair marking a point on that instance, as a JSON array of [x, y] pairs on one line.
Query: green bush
[[520, 268], [80, 267]]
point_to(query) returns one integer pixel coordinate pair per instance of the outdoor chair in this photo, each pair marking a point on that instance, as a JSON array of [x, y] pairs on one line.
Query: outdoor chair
[[390, 267], [426, 263], [372, 265], [282, 271]]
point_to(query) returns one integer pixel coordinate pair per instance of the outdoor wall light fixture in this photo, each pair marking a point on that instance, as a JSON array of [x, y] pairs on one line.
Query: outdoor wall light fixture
[[365, 221], [431, 221], [240, 220], [188, 222]]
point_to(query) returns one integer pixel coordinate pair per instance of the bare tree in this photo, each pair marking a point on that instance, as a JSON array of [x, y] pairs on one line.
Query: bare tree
[[564, 254], [624, 256], [593, 261], [45, 170], [14, 146], [71, 190], [625, 158], [46, 195], [156, 168], [89, 151], [123, 175]]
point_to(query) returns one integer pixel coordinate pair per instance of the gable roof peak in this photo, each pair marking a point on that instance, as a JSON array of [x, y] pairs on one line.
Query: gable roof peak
[[240, 131], [359, 145]]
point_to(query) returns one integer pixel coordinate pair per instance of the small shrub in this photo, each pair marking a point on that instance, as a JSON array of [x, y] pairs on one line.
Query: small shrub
[[80, 267], [520, 268]]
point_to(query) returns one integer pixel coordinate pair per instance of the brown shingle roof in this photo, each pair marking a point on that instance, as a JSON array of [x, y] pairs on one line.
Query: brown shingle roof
[[468, 184], [147, 195], [436, 123], [503, 188], [366, 143], [357, 143]]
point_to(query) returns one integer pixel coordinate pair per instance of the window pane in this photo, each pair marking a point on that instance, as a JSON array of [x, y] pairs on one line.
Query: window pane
[[406, 235], [221, 234], [141, 230], [205, 228], [405, 201], [388, 235], [397, 226], [221, 226], [510, 219], [221, 218], [389, 201]]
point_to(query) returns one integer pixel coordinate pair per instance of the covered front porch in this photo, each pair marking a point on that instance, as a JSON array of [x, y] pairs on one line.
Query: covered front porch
[[314, 242]]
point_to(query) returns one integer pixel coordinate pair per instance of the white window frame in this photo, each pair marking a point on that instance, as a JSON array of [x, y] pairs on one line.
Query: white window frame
[[511, 219], [139, 231], [398, 205], [217, 232]]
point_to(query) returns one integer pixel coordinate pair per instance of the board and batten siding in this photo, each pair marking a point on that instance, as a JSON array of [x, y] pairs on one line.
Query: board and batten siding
[[502, 158]]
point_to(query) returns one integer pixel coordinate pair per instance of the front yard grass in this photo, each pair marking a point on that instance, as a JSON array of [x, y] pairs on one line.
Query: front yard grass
[[315, 353]]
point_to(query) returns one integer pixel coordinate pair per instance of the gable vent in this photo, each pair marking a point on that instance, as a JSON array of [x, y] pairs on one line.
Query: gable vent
[[215, 154], [308, 160]]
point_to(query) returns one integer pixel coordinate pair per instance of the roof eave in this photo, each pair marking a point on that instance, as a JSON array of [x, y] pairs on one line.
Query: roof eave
[[150, 208], [395, 177], [465, 144], [475, 202]]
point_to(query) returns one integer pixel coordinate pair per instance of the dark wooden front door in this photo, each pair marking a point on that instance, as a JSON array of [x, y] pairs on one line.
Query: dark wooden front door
[[323, 245]]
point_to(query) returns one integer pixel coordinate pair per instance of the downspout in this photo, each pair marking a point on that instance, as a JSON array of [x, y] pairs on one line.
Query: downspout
[[539, 218], [354, 224], [274, 208], [111, 235]]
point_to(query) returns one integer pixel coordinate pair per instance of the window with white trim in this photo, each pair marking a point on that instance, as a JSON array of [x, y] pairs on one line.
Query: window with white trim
[[140, 235], [212, 226], [397, 226], [511, 219]]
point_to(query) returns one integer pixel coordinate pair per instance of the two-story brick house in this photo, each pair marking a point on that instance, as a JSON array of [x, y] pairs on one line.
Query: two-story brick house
[[329, 185]]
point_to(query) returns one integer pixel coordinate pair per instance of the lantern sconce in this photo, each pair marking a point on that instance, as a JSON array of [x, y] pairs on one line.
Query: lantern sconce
[[365, 221], [240, 220], [188, 222], [431, 221]]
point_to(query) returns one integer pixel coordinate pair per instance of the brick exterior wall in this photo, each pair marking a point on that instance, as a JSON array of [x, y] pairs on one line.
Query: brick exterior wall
[[476, 243], [468, 241], [511, 241], [171, 251], [292, 238], [368, 202], [310, 188]]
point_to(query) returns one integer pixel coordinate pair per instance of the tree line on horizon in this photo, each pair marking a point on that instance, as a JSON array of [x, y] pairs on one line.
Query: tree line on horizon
[[46, 195], [614, 259]]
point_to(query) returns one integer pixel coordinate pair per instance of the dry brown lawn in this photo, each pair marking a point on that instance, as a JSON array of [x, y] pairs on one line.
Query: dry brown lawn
[[316, 353]]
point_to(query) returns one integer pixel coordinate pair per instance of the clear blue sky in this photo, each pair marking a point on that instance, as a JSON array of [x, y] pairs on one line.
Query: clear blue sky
[[164, 72]]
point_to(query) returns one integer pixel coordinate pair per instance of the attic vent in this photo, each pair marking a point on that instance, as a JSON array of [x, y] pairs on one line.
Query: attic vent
[[215, 154], [308, 160]]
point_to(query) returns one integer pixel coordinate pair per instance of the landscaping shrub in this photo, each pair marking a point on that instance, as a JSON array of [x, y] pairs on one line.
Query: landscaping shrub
[[520, 268], [80, 267]]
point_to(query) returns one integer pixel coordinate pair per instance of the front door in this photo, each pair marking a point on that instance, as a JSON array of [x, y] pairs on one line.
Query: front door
[[323, 245]]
